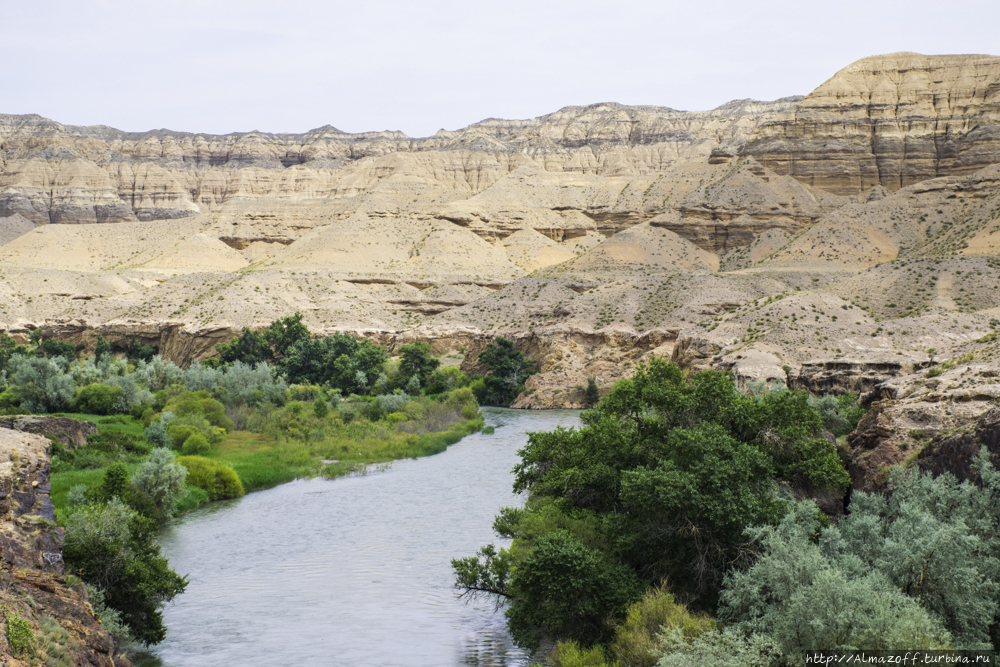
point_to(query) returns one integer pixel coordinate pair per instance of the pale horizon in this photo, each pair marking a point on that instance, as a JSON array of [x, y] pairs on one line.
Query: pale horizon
[[225, 67]]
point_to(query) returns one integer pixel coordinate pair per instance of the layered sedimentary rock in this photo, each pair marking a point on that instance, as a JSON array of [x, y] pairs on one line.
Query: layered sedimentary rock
[[889, 120], [55, 173]]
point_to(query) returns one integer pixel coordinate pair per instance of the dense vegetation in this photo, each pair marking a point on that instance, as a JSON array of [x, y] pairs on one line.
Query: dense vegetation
[[276, 406], [687, 486]]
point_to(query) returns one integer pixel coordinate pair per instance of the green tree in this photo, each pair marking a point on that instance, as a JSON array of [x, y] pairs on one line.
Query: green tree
[[336, 361], [250, 347], [160, 481], [102, 348], [114, 548], [593, 394], [509, 368], [320, 408], [283, 334], [417, 360], [662, 479], [98, 399], [115, 483], [7, 347]]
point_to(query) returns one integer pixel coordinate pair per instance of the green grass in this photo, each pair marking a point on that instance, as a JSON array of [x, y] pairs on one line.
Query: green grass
[[293, 444], [114, 423], [62, 482], [265, 460]]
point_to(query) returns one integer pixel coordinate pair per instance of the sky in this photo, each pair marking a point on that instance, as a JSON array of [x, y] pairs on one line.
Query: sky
[[290, 66]]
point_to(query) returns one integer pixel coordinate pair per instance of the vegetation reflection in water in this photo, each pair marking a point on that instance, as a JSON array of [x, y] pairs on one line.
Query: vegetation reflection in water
[[350, 571]]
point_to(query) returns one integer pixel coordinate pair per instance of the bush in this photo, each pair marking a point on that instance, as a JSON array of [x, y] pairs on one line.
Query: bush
[[20, 636], [571, 654], [195, 444], [9, 399], [811, 597], [637, 640], [98, 399], [320, 408], [200, 403], [111, 546], [160, 480], [393, 402], [42, 384], [179, 432], [219, 480], [156, 434], [719, 649]]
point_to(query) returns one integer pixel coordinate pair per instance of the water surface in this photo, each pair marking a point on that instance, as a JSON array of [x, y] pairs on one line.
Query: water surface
[[353, 571]]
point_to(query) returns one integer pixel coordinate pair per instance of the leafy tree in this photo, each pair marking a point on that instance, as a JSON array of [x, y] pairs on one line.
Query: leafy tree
[[98, 399], [114, 548], [115, 483], [336, 360], [561, 588], [250, 347], [102, 348], [662, 480], [593, 394], [417, 360], [283, 334], [508, 370], [7, 347]]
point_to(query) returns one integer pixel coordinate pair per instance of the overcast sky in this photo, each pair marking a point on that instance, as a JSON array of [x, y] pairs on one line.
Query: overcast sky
[[223, 66]]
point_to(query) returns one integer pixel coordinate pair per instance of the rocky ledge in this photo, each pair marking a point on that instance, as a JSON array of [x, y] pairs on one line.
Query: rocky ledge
[[32, 585]]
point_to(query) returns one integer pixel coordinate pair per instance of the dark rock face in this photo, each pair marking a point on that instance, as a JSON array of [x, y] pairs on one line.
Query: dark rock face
[[857, 376], [72, 433], [955, 452], [31, 562], [873, 449]]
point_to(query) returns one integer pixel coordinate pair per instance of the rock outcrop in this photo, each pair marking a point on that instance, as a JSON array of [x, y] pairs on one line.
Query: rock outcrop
[[956, 451], [889, 120], [31, 566], [72, 433]]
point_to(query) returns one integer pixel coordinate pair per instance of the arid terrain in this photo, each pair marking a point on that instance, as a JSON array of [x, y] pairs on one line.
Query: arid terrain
[[847, 239]]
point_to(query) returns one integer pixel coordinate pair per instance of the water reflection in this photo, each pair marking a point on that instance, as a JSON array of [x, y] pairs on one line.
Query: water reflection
[[353, 571]]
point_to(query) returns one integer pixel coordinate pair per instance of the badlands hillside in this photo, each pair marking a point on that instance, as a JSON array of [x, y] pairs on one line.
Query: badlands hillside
[[848, 239]]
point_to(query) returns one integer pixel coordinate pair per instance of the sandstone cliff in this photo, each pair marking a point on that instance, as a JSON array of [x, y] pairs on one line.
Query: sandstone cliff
[[890, 120]]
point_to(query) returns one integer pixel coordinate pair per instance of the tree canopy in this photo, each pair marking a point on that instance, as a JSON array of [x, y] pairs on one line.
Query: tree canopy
[[660, 483], [509, 368]]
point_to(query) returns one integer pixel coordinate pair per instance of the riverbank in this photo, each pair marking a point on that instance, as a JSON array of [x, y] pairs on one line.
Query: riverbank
[[357, 573], [291, 442]]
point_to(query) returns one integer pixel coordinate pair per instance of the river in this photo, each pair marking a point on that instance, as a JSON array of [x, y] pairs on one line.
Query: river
[[353, 571]]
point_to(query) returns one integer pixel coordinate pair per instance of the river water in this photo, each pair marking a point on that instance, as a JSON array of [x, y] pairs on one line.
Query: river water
[[354, 571]]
